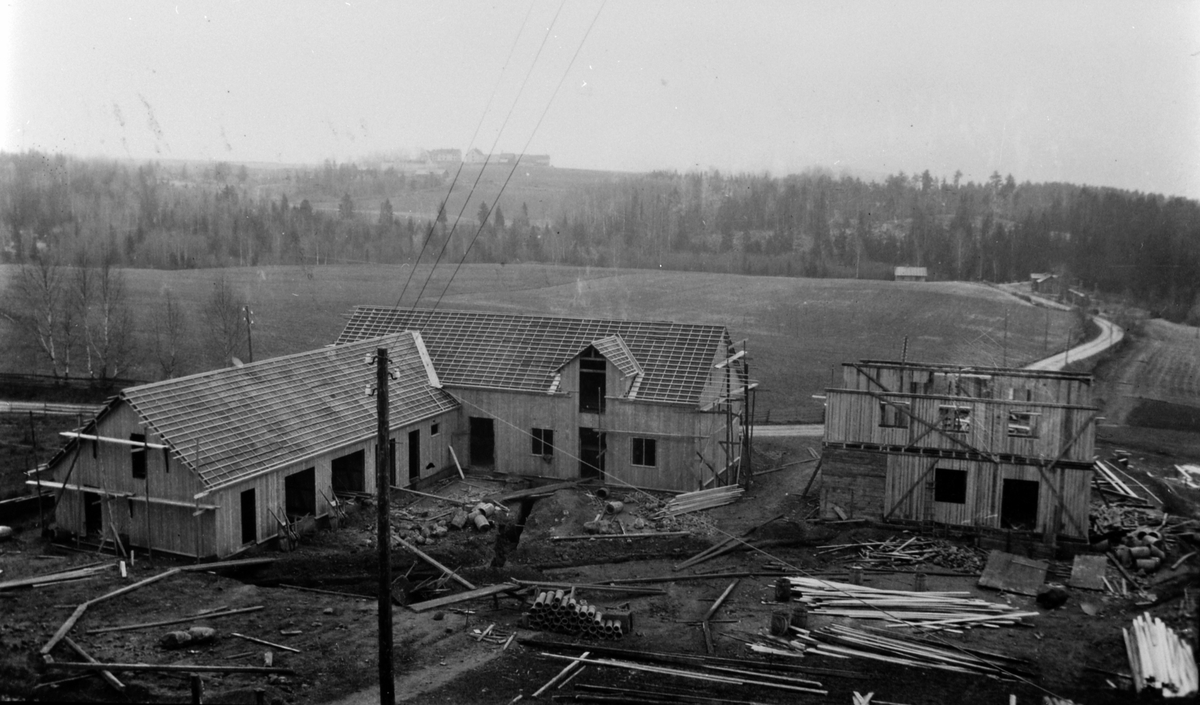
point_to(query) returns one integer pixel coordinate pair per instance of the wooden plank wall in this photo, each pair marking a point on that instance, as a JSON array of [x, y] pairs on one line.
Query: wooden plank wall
[[1064, 511], [675, 428], [853, 480], [854, 417], [1016, 385]]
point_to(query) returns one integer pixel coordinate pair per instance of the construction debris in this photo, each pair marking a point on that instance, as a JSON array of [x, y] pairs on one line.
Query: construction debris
[[191, 637], [1159, 659], [559, 611], [841, 641], [936, 610], [913, 550], [701, 499]]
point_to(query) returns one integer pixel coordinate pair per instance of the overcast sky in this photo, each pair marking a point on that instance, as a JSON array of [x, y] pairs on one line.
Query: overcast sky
[[1101, 93]]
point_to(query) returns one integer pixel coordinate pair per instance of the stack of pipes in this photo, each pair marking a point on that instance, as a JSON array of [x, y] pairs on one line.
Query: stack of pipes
[[1159, 658], [559, 611]]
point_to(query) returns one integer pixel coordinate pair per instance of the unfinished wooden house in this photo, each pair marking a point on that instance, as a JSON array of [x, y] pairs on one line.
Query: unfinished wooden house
[[650, 404], [981, 447], [208, 464]]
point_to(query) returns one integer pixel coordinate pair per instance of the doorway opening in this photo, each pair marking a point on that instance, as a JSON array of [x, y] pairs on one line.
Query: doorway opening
[[483, 441], [591, 453], [1019, 505]]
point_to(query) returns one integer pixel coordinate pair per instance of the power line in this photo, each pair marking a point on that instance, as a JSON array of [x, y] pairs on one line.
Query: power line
[[488, 158], [453, 182], [517, 161]]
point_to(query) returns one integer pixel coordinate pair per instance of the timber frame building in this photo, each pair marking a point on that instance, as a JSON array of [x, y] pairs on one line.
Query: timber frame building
[[980, 447], [651, 404], [209, 464], [213, 463]]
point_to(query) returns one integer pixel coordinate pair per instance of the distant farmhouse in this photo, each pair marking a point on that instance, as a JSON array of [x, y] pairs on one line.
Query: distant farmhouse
[[911, 274], [1045, 283], [445, 156], [210, 464], [989, 449]]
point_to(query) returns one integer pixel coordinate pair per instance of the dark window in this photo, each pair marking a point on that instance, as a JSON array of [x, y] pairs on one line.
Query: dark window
[[433, 430], [137, 455], [1022, 424], [645, 452], [543, 442], [892, 414], [300, 493], [347, 472], [593, 379], [950, 486], [955, 419]]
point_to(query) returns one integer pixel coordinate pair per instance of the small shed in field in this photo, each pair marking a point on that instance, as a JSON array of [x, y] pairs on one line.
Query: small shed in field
[[980, 447], [208, 464], [911, 274], [1045, 283], [652, 404]]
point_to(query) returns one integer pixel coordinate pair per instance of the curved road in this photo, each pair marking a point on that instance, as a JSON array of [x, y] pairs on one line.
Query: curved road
[[1110, 335]]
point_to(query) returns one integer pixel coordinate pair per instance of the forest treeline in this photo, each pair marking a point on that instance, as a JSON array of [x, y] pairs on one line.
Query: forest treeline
[[1142, 246]]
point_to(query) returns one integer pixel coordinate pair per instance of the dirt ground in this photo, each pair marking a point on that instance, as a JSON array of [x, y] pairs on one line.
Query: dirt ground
[[439, 660]]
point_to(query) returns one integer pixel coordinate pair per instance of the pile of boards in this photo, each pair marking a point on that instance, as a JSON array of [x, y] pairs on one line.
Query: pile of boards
[[845, 642], [925, 610], [1159, 659], [72, 575], [899, 551], [701, 499]]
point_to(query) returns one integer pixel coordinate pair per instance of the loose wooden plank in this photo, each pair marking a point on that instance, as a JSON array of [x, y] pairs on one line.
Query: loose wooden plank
[[477, 593], [264, 642], [181, 620], [424, 556], [1005, 571], [1087, 572], [176, 668], [639, 535], [106, 675]]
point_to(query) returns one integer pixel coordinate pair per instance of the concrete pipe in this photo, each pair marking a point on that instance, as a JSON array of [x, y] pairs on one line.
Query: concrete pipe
[[613, 507], [602, 492], [1147, 564], [481, 521], [1139, 552]]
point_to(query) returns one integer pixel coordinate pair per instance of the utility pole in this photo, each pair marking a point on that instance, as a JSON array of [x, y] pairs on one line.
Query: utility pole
[[249, 338], [1005, 364], [387, 683]]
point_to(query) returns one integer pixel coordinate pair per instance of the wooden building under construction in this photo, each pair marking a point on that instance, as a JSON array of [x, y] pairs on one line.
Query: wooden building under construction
[[208, 464], [981, 447], [651, 404]]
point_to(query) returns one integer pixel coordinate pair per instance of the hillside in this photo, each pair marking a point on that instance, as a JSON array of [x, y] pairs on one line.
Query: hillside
[[799, 330]]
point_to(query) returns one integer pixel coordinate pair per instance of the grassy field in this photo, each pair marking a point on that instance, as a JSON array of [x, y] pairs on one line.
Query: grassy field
[[799, 330]]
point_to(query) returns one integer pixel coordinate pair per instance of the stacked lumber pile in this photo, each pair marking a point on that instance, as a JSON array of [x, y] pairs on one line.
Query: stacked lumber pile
[[899, 551], [1115, 483], [71, 575], [699, 500], [845, 642], [927, 610], [559, 611], [1159, 659]]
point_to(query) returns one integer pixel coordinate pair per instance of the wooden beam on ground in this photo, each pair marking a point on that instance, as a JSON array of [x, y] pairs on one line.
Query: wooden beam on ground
[[427, 495], [708, 642], [464, 596], [532, 491], [324, 592], [641, 535], [181, 620], [264, 642], [424, 556], [106, 675], [166, 668]]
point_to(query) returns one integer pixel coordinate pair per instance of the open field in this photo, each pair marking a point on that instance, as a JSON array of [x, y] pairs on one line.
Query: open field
[[1159, 381], [799, 330]]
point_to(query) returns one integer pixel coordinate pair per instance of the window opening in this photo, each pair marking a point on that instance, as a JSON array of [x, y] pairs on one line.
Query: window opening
[[955, 419], [137, 456], [1023, 424], [892, 414], [950, 486], [543, 442], [645, 452]]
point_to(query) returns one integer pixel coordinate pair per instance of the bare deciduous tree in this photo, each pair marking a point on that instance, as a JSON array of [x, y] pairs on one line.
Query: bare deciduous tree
[[38, 301], [169, 332], [222, 318]]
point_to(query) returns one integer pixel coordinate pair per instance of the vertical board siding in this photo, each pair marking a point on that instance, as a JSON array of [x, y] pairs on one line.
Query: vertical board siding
[[855, 481]]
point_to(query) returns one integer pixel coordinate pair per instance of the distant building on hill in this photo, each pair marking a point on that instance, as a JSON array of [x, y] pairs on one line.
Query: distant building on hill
[[474, 156], [445, 156], [1045, 283], [912, 274]]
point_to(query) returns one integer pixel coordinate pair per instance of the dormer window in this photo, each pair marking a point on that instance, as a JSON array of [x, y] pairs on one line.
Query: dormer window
[[593, 381]]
